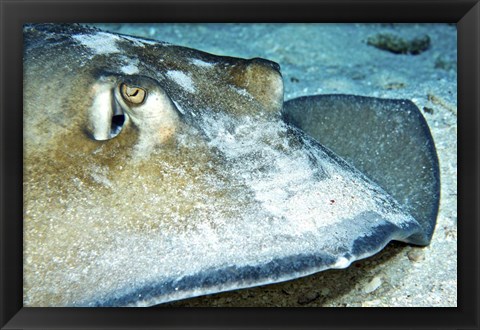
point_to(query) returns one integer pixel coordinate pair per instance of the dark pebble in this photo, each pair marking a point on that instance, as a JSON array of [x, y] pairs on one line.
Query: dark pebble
[[398, 45], [308, 298], [428, 110], [416, 255]]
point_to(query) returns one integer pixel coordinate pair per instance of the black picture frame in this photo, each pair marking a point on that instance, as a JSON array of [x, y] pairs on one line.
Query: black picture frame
[[465, 13]]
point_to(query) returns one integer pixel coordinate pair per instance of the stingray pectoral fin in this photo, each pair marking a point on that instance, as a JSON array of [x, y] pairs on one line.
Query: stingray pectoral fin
[[290, 255], [388, 140]]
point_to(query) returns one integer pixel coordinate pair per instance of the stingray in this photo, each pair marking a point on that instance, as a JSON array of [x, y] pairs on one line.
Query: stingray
[[154, 172]]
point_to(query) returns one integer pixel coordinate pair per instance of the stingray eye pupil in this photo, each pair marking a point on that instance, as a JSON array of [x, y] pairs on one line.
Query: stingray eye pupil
[[134, 95]]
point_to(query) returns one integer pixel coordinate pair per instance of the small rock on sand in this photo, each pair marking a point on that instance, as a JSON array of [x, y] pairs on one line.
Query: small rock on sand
[[373, 285]]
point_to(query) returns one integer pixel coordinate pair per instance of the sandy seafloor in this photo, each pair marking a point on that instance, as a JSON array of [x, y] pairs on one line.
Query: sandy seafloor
[[335, 58]]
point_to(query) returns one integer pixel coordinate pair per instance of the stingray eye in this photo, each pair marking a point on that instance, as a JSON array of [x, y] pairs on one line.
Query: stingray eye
[[134, 95]]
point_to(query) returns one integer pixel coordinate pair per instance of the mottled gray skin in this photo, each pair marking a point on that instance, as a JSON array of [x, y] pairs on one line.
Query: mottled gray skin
[[67, 168], [388, 140], [200, 188], [57, 65]]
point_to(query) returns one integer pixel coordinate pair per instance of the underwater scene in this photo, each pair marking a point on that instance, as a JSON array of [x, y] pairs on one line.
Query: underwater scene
[[240, 165]]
